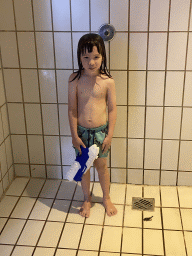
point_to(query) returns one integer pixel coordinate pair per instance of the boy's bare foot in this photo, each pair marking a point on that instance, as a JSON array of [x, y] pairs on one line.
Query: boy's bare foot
[[109, 206], [85, 208]]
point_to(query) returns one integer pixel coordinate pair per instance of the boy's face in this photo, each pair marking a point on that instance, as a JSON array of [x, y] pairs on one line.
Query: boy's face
[[91, 61]]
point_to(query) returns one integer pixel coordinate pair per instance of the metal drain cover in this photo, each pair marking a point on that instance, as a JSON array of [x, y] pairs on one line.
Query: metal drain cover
[[143, 204]]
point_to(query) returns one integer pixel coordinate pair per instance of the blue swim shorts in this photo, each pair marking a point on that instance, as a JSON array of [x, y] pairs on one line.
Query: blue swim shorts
[[91, 136]]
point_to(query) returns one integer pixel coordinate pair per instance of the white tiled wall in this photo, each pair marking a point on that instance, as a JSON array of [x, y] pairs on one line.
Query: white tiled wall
[[152, 142]]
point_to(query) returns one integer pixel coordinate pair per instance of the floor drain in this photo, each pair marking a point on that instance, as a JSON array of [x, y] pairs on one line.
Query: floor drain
[[143, 204]]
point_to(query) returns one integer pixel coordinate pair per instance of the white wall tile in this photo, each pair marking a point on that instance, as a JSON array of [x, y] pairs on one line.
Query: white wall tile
[[188, 90], [139, 15], [189, 61], [16, 117], [118, 175], [52, 150], [33, 118], [154, 122], [23, 14], [27, 57], [174, 88], [119, 15], [54, 172], [118, 51], [2, 94], [45, 56], [157, 51], [30, 85], [136, 87], [61, 15], [38, 171], [50, 119], [9, 50], [47, 86], [185, 179], [12, 85], [99, 13], [62, 85], [7, 17], [151, 177], [177, 61], [155, 88], [42, 15], [168, 178], [135, 153], [185, 163], [68, 152], [135, 176], [36, 149], [137, 51], [159, 11], [64, 121], [1, 128], [120, 126], [172, 120], [152, 154], [179, 16], [186, 132], [118, 152], [19, 145], [136, 122], [63, 52], [120, 78], [80, 15], [22, 170], [170, 155]]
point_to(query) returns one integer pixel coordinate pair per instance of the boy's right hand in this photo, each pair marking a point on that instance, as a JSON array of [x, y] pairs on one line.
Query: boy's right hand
[[77, 142]]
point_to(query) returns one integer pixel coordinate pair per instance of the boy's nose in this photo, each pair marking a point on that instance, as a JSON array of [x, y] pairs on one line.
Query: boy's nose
[[91, 62]]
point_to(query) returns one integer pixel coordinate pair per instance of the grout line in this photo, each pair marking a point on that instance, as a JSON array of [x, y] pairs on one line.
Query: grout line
[[161, 212], [181, 222], [24, 219], [57, 104], [182, 108], [46, 220], [165, 80]]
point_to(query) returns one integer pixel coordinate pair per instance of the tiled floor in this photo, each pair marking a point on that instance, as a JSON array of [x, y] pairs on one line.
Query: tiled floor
[[40, 217]]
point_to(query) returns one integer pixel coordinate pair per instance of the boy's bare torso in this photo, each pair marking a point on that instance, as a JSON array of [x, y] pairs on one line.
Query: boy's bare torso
[[92, 101]]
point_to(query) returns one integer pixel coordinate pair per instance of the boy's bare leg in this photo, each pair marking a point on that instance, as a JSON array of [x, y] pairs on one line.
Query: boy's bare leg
[[101, 166], [85, 184]]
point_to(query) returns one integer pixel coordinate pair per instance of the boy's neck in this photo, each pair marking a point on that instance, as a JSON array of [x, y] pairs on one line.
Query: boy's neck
[[90, 75]]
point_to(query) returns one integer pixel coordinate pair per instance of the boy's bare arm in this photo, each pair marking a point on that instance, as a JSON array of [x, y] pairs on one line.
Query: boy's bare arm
[[112, 108], [72, 106]]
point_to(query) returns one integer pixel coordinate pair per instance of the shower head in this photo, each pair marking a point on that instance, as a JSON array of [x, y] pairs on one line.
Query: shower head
[[107, 32]]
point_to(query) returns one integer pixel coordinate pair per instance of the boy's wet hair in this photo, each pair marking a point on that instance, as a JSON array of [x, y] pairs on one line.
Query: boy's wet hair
[[87, 41]]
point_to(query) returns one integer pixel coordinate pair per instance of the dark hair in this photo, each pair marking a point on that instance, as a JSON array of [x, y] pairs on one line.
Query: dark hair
[[87, 41]]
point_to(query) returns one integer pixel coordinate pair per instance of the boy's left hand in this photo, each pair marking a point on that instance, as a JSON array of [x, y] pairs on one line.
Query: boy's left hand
[[106, 144]]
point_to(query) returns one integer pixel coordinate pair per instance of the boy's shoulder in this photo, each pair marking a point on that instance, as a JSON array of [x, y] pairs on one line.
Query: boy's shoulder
[[72, 76]]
